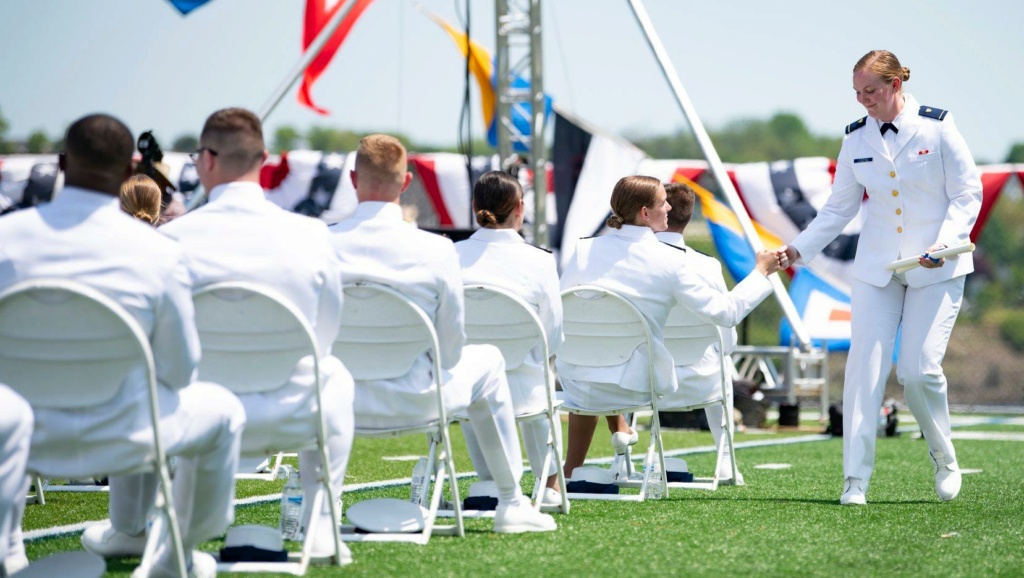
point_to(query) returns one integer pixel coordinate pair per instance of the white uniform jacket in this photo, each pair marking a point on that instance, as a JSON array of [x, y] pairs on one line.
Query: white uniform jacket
[[698, 382], [84, 236], [377, 245], [654, 277], [241, 236], [502, 258], [925, 191]]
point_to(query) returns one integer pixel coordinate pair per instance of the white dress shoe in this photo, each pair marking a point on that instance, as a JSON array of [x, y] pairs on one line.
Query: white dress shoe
[[323, 545], [550, 497], [621, 441], [854, 490], [947, 477], [13, 563], [201, 565], [521, 517], [725, 477], [104, 540]]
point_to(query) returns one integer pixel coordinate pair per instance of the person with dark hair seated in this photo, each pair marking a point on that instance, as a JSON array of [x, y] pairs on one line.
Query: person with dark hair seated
[[497, 255], [84, 235]]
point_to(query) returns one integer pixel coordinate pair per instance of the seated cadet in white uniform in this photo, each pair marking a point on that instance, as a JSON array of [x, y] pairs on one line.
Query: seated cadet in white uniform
[[15, 435], [497, 255], [376, 245], [84, 235], [654, 277], [699, 382], [224, 240]]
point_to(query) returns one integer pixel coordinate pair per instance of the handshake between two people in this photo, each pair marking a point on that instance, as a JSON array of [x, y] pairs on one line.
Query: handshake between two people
[[768, 262]]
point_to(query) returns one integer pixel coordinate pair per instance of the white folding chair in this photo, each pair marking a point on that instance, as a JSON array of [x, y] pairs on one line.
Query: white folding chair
[[382, 334], [688, 338], [497, 317], [64, 345], [252, 340], [603, 329]]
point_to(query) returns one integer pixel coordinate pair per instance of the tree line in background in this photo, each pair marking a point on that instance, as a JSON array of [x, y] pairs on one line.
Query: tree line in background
[[997, 292], [783, 136]]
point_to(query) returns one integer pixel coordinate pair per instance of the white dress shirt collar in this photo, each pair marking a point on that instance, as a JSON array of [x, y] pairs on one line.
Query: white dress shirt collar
[[367, 210], [237, 191], [634, 232], [671, 238], [497, 236], [87, 198]]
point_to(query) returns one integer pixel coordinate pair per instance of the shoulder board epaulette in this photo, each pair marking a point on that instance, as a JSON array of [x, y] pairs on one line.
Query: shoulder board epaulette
[[701, 252], [676, 247], [931, 112], [855, 125], [541, 248], [590, 237]]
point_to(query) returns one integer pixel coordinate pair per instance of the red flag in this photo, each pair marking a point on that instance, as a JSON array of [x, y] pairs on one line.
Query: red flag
[[317, 16]]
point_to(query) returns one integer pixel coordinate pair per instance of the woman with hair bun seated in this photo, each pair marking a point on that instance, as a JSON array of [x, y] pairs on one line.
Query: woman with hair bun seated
[[653, 276], [497, 255], [140, 198]]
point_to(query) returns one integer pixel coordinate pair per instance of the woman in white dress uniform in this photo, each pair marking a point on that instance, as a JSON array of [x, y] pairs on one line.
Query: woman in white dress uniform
[[654, 276], [924, 194], [497, 255]]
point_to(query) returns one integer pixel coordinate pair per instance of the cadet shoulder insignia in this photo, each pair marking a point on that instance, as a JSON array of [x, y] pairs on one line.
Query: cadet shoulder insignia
[[701, 252], [676, 247], [540, 248], [855, 125], [932, 112]]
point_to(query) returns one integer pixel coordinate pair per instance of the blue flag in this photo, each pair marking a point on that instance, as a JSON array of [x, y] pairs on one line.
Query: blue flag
[[186, 6]]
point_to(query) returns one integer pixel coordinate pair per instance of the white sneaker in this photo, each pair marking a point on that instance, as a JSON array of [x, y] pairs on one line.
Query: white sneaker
[[947, 477], [13, 564], [521, 517], [854, 490], [621, 441], [725, 477], [201, 565], [104, 540], [323, 546]]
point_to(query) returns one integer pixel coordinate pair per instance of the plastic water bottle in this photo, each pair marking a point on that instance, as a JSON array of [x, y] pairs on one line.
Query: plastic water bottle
[[419, 476], [654, 482], [291, 508]]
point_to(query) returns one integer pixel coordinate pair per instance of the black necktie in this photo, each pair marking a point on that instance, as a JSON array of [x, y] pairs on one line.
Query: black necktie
[[889, 126]]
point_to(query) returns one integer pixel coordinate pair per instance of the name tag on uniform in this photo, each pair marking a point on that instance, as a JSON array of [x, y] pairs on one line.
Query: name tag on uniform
[[864, 160]]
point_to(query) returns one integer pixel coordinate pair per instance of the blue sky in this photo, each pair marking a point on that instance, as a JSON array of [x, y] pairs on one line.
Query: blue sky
[[398, 71]]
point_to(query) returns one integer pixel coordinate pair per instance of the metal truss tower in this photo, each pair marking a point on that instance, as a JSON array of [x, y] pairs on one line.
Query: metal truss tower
[[519, 56]]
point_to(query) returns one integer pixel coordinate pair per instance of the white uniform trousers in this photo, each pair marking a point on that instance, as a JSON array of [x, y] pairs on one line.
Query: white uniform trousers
[[283, 420], [209, 420], [476, 386], [528, 390], [927, 315], [15, 438]]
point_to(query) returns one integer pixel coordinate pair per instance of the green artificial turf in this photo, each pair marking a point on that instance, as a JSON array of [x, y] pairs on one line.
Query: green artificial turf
[[784, 522]]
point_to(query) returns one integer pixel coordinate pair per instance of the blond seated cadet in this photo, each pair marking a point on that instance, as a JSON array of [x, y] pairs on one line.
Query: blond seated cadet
[[377, 245]]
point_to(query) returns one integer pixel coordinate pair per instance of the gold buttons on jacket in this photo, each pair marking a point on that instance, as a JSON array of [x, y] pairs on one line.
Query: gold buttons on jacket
[[892, 174], [895, 193], [899, 229], [899, 211]]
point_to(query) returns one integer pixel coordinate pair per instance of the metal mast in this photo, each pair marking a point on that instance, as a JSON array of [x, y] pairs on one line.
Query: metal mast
[[519, 55]]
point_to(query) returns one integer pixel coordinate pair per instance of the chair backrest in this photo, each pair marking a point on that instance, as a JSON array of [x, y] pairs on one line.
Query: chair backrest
[[602, 328], [252, 337], [687, 337], [383, 333], [503, 319], [65, 345]]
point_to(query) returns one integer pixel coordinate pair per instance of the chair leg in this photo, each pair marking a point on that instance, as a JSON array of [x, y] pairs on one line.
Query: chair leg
[[556, 453], [453, 481], [660, 449]]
